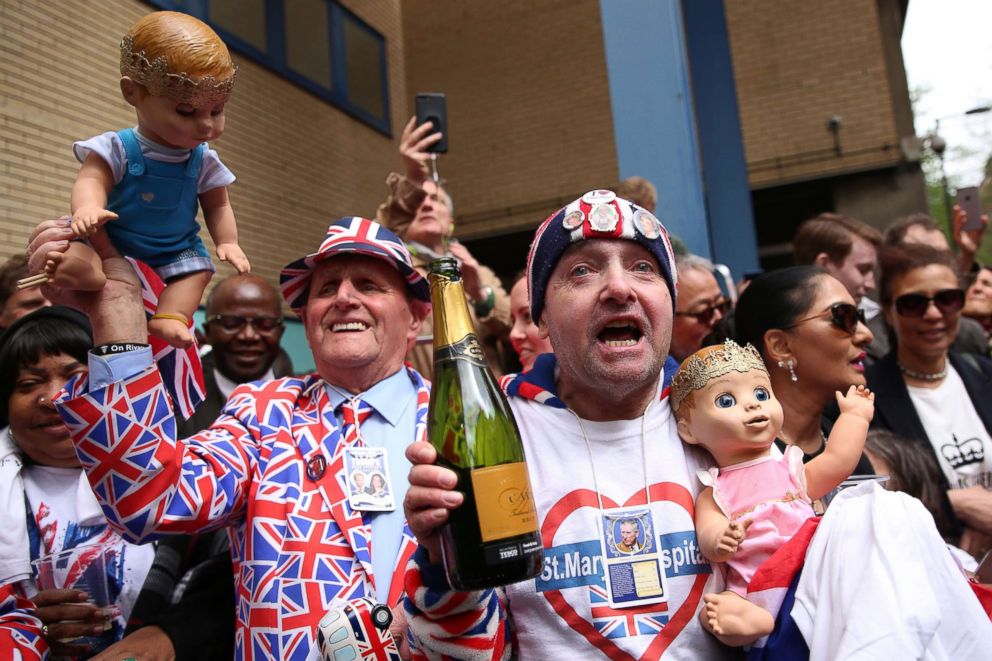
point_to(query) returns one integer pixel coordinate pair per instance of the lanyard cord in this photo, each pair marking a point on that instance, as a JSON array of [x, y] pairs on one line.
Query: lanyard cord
[[353, 401], [592, 462]]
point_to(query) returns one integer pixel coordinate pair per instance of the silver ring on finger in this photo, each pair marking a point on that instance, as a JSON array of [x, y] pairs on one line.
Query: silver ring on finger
[[44, 630]]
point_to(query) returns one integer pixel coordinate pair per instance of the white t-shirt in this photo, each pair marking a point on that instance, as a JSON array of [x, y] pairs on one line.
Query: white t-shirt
[[961, 441], [67, 515], [561, 614], [109, 147]]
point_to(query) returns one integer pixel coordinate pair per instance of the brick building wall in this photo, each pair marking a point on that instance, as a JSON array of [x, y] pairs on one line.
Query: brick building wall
[[528, 104], [300, 161], [798, 63]]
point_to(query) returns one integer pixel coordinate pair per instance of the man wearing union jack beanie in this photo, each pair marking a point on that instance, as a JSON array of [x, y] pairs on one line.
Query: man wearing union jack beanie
[[274, 468], [604, 459]]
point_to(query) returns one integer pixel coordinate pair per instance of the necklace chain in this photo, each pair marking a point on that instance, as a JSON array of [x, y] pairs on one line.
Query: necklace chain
[[592, 461], [924, 376]]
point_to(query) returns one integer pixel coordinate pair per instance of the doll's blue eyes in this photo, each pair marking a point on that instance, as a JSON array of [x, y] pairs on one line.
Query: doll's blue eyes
[[761, 394], [725, 401]]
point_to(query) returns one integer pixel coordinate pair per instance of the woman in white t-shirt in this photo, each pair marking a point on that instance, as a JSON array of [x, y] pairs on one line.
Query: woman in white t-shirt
[[925, 392], [46, 504]]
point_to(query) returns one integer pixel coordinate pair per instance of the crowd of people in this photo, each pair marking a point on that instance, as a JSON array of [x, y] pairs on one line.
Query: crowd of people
[[234, 532]]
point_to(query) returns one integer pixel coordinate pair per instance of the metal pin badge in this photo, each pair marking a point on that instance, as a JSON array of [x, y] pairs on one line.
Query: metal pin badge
[[316, 467]]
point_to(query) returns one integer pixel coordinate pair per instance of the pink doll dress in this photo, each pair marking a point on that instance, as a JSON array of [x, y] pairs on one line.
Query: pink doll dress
[[772, 492]]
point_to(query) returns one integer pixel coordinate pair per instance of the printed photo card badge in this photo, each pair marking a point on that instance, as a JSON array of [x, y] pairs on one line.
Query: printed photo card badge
[[646, 224], [368, 484], [573, 220], [631, 558]]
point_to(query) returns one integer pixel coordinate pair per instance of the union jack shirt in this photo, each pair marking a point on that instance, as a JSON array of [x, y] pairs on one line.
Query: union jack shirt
[[20, 630], [298, 547]]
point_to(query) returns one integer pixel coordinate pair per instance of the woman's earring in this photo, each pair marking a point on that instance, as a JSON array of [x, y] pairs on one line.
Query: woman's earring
[[791, 366]]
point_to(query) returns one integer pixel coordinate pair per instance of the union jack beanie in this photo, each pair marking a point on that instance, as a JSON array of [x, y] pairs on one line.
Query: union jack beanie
[[358, 236], [598, 214]]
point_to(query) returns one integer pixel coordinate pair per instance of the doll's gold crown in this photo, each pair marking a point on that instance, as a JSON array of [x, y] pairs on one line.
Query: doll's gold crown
[[159, 81], [698, 370]]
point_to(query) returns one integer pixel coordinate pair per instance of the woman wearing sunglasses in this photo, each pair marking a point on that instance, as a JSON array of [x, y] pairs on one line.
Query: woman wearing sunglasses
[[925, 392], [812, 338]]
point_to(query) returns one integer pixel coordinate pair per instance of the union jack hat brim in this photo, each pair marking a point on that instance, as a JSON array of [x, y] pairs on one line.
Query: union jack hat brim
[[352, 235]]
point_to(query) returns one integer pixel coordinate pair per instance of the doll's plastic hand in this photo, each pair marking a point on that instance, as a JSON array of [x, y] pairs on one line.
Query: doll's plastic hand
[[234, 255], [413, 148], [732, 537], [87, 220], [858, 401]]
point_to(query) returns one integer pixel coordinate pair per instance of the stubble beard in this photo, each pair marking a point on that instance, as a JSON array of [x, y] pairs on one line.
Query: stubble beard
[[611, 385]]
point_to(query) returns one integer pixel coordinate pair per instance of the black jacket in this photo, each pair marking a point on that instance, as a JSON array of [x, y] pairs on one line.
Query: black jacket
[[894, 409]]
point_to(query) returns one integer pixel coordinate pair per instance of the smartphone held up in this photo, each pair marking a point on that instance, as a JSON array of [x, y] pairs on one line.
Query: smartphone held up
[[431, 107], [970, 202]]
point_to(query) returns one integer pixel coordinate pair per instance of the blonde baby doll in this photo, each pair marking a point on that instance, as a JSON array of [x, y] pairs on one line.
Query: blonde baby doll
[[754, 501], [142, 186]]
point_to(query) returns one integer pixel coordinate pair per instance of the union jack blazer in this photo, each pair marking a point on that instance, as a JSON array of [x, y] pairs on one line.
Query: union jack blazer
[[297, 545]]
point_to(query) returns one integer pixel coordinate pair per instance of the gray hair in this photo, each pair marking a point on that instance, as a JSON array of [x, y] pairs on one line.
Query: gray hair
[[693, 263]]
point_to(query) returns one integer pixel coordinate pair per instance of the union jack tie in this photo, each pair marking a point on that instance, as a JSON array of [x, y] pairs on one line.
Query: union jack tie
[[353, 413]]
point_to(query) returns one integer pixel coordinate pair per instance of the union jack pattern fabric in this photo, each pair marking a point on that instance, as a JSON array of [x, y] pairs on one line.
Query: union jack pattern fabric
[[538, 383], [352, 234], [182, 371], [463, 626], [353, 414], [621, 623], [20, 630], [297, 545]]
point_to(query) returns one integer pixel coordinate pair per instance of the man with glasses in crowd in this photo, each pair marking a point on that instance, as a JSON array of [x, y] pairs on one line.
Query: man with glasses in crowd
[[700, 307], [243, 327]]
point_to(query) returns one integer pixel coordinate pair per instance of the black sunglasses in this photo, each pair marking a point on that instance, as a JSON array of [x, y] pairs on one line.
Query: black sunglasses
[[915, 305], [844, 316], [705, 315], [233, 323]]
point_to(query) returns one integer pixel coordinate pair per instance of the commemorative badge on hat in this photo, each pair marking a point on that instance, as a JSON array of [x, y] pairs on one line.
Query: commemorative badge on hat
[[352, 235], [598, 214]]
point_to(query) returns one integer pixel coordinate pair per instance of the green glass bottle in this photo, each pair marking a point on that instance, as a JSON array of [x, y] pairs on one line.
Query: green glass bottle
[[492, 539]]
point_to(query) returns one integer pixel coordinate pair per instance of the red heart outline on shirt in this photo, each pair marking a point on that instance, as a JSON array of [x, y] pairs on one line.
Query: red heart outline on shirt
[[575, 500]]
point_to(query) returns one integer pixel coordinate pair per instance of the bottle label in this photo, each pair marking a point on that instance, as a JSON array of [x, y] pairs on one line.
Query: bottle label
[[503, 501], [467, 348]]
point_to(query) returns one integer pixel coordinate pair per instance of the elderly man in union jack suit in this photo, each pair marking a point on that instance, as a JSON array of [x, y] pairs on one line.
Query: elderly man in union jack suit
[[273, 468]]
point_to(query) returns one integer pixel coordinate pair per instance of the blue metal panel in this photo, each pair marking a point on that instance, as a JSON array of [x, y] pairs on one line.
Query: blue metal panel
[[728, 195], [652, 110]]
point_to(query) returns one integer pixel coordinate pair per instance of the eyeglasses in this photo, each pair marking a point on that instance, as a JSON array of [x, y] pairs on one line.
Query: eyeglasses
[[844, 316], [233, 323], [705, 315], [915, 305]]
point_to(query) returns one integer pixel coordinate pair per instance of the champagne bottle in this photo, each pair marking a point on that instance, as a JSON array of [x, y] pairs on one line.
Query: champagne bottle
[[492, 538]]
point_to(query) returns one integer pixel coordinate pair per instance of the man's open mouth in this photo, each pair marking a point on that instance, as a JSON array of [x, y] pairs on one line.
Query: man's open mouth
[[622, 333]]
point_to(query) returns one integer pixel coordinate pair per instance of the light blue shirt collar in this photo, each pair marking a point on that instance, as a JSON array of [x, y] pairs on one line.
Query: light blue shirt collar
[[390, 397]]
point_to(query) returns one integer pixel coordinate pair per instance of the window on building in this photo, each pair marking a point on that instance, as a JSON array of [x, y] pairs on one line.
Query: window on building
[[317, 44]]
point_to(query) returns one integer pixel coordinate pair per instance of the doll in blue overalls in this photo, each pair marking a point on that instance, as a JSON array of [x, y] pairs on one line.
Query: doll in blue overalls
[[142, 186]]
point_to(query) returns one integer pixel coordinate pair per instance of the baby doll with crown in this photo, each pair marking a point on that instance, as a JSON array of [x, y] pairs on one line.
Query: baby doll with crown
[[754, 501], [143, 186]]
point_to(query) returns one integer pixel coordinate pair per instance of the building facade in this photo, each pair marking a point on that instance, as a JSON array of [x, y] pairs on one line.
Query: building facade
[[718, 103], [825, 113]]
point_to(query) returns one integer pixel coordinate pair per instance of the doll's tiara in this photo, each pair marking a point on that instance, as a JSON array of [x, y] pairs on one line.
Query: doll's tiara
[[698, 370], [159, 81]]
